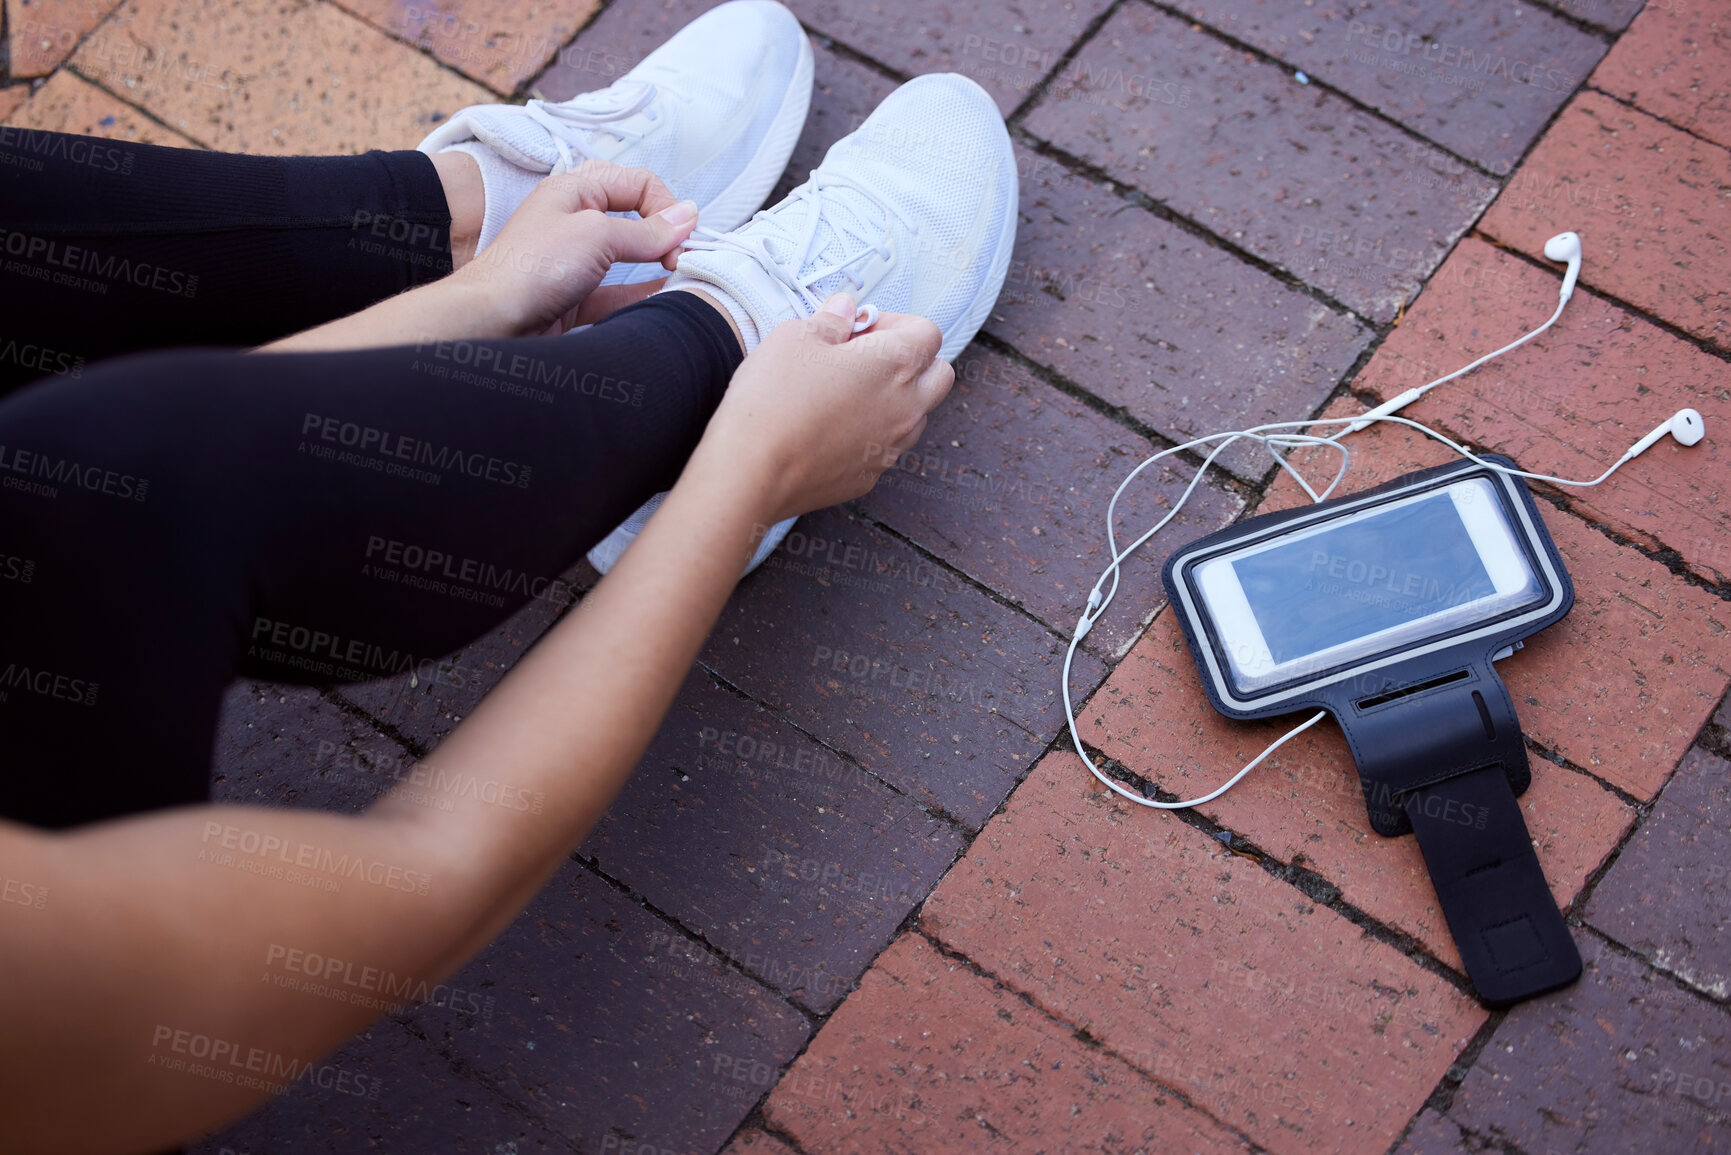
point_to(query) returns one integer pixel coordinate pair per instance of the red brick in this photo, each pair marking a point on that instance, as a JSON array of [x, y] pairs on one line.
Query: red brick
[[287, 746], [941, 691], [1624, 683], [1010, 483], [278, 77], [1147, 316], [1572, 401], [1288, 172], [1481, 79], [43, 33], [1646, 199], [1433, 1134], [66, 103], [1673, 62], [614, 42], [1304, 805], [1278, 1016], [1612, 14], [425, 1103], [499, 44], [595, 1036], [808, 864], [929, 1056], [12, 98], [426, 709]]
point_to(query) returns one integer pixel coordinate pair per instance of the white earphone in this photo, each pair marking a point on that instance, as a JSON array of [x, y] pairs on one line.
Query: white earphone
[[1686, 426], [1562, 247], [1566, 247]]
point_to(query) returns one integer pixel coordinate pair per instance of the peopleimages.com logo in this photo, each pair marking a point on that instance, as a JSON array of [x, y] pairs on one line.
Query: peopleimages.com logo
[[226, 1061], [44, 471], [47, 684], [78, 150], [110, 268], [1459, 58], [401, 447]]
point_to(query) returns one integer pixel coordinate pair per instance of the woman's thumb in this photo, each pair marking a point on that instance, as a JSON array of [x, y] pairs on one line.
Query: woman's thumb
[[833, 322], [652, 237]]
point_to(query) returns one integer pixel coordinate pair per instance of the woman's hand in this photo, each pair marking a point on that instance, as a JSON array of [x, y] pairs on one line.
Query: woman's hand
[[816, 413], [540, 273], [542, 270]]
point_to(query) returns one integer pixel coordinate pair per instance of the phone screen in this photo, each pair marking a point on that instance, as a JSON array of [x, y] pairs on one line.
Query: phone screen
[[1363, 577], [1380, 578]]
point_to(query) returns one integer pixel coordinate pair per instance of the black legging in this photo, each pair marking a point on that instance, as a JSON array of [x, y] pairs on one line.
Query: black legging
[[171, 520]]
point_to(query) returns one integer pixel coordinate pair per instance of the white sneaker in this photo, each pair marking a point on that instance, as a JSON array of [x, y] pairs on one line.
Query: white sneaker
[[714, 112], [915, 212]]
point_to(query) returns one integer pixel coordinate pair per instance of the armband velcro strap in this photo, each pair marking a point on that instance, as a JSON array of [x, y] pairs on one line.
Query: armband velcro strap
[[1446, 761], [1505, 923]]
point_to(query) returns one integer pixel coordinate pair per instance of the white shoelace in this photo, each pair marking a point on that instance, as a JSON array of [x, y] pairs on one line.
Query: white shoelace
[[849, 226], [593, 111]]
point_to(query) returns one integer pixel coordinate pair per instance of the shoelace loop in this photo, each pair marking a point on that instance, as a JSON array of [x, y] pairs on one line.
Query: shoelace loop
[[601, 110], [849, 225]]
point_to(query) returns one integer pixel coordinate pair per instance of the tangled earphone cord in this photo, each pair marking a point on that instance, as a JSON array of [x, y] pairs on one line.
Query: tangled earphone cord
[[1685, 426], [1274, 436]]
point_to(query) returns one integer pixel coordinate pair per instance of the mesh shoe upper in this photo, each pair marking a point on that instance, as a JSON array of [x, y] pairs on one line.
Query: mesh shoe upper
[[698, 111], [913, 212]]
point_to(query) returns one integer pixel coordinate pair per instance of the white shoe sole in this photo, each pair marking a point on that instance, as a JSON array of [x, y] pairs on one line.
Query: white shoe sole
[[975, 317], [970, 322]]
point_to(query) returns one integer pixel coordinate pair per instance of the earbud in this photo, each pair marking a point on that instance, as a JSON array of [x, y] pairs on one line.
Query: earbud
[[1562, 247], [1685, 425], [1566, 247]]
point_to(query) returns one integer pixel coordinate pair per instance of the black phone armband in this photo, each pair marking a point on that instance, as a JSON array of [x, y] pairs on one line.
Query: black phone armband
[[1387, 609]]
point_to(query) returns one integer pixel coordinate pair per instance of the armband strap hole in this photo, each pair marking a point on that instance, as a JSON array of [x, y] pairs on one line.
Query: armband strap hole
[[1409, 691], [1485, 716]]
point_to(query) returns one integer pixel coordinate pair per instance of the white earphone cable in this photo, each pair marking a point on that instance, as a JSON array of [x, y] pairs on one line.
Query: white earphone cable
[[1396, 404], [1276, 436]]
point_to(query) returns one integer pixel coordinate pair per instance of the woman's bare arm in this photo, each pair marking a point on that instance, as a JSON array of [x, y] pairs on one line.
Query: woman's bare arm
[[135, 983]]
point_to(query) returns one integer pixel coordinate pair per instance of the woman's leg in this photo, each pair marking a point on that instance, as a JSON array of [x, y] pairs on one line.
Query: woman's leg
[[170, 520], [108, 247]]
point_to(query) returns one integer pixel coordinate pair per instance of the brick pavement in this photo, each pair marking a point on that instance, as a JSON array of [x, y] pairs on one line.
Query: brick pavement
[[861, 895]]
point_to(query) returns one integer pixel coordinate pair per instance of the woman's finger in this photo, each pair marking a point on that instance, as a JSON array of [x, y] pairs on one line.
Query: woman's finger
[[914, 337], [647, 239], [894, 454], [608, 188], [935, 382]]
